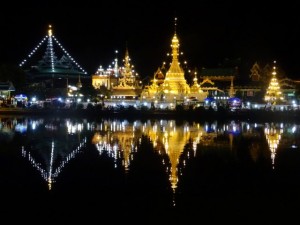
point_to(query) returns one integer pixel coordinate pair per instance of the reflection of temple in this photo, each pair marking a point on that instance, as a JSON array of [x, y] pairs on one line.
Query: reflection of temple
[[51, 172], [169, 138], [118, 139], [273, 136], [50, 155], [7, 127]]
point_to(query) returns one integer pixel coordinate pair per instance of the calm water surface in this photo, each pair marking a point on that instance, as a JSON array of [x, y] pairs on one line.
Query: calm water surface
[[112, 171]]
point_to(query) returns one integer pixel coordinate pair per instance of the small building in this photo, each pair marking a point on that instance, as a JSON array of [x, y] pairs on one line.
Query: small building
[[5, 89]]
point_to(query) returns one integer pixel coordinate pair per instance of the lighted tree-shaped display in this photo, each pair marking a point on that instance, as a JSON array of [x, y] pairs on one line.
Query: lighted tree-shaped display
[[273, 93]]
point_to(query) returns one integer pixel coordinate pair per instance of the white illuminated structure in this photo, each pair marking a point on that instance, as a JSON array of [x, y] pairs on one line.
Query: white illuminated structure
[[56, 61]]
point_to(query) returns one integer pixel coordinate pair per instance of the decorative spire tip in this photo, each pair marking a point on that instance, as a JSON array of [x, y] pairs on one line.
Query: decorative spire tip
[[50, 31]]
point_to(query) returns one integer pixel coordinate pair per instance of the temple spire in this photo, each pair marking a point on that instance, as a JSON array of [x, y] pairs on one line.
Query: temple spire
[[175, 24], [127, 61]]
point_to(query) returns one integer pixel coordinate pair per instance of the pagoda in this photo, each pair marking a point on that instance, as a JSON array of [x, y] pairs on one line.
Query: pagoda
[[128, 85], [55, 64], [175, 82], [172, 86]]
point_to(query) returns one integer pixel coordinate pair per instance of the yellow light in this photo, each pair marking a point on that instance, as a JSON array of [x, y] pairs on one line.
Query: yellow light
[[50, 31]]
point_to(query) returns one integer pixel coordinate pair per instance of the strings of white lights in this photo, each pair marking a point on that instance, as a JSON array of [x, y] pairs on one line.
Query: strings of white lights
[[70, 57], [50, 45], [33, 51], [49, 177]]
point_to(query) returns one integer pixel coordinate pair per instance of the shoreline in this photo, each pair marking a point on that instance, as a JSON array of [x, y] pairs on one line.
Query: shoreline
[[202, 114]]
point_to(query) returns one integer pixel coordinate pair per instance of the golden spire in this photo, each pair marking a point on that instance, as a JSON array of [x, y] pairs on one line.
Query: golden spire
[[175, 51], [127, 61], [50, 31], [175, 82]]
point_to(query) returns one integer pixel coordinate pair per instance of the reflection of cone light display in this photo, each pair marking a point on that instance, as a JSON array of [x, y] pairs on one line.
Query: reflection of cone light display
[[273, 137]]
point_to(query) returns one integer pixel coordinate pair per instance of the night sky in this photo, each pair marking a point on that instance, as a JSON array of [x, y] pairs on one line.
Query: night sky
[[209, 32]]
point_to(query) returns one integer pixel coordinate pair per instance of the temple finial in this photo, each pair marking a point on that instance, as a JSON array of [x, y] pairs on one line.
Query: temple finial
[[50, 31]]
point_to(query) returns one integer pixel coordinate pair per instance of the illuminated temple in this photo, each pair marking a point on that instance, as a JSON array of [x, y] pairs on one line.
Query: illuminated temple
[[50, 63], [169, 87], [123, 82], [172, 87]]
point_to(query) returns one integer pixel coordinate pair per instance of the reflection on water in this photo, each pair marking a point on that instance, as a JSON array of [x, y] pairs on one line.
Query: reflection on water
[[273, 136], [120, 138], [50, 144]]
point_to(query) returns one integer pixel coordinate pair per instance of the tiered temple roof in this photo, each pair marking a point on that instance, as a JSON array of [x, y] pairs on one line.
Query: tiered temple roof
[[55, 63], [122, 81]]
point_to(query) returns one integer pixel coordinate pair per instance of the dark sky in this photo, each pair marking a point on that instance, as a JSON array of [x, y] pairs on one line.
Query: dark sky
[[209, 32]]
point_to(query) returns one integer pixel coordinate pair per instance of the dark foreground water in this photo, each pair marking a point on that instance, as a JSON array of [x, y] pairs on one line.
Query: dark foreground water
[[77, 171]]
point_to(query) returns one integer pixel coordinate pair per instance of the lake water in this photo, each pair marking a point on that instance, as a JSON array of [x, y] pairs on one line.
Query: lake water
[[111, 171]]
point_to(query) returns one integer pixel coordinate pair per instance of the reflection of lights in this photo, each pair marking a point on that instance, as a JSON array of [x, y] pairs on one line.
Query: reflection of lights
[[273, 137], [206, 128], [33, 125], [50, 174], [233, 128], [79, 127], [74, 128], [168, 139], [21, 128]]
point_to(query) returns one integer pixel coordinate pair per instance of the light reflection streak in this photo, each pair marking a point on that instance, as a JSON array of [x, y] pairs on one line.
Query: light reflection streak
[[273, 136]]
